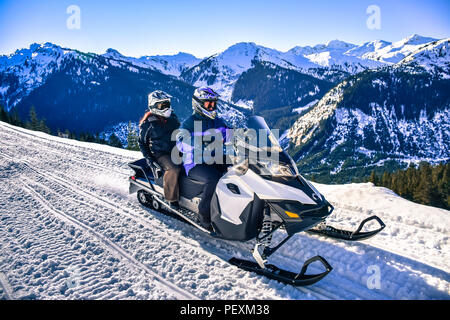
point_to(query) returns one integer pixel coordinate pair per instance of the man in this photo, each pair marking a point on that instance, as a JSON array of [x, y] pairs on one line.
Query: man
[[155, 131], [204, 105]]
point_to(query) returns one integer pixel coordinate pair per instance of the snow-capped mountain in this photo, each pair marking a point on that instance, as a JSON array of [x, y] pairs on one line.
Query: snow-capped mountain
[[332, 61], [396, 51], [222, 70], [168, 64], [368, 47], [83, 92], [336, 54], [72, 89], [400, 112], [27, 69], [433, 58]]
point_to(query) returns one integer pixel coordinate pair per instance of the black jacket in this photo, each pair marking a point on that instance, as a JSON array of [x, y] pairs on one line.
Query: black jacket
[[155, 135], [189, 124]]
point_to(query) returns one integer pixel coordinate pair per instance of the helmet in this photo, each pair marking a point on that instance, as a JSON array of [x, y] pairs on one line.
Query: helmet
[[159, 103], [204, 102]]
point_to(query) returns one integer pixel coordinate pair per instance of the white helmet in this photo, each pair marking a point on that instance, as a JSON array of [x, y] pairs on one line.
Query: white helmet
[[159, 103]]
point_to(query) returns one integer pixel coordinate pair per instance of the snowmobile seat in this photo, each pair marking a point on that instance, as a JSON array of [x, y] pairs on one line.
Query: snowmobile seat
[[144, 171], [189, 188]]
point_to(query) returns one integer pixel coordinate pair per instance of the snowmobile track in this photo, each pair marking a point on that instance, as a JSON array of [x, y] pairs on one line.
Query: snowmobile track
[[241, 247], [8, 291], [180, 293]]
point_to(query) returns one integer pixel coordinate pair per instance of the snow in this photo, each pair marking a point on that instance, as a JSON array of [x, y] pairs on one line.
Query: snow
[[305, 107], [396, 51], [69, 230], [3, 90], [434, 58], [166, 64], [246, 104], [303, 129]]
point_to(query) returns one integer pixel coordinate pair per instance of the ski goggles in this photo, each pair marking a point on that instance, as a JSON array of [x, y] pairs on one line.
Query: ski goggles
[[163, 105], [210, 105]]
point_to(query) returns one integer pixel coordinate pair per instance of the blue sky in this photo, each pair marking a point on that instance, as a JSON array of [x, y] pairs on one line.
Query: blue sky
[[137, 28]]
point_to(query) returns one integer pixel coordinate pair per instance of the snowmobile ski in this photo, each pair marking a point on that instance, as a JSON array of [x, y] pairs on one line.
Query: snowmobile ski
[[357, 235], [273, 272]]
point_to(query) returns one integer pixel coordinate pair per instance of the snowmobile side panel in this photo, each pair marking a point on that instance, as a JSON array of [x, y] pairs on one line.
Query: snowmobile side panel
[[357, 235], [189, 188], [273, 272], [251, 219], [271, 190]]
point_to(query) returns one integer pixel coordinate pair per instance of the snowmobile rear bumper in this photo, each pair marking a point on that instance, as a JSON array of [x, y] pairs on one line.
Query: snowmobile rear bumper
[[273, 272]]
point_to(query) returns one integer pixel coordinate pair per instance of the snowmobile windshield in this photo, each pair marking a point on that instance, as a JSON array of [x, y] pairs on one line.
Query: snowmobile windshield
[[260, 147]]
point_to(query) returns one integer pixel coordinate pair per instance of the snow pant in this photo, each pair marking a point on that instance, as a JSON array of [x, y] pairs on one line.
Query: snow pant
[[170, 179], [209, 175]]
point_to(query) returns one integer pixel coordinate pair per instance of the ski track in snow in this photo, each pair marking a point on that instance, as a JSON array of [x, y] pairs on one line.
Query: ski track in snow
[[69, 230]]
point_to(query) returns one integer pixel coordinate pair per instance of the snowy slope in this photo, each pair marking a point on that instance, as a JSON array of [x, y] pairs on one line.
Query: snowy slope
[[167, 64], [69, 230], [434, 58], [31, 67], [396, 51], [338, 54]]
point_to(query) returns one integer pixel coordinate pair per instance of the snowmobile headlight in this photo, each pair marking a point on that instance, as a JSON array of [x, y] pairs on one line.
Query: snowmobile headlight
[[273, 168], [241, 168]]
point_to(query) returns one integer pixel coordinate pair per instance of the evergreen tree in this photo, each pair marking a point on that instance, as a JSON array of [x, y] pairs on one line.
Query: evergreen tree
[[43, 127], [132, 138], [4, 115], [15, 120], [386, 180], [373, 178], [114, 141], [33, 123]]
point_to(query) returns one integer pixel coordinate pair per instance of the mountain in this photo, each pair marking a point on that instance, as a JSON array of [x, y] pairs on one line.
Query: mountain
[[27, 69], [367, 48], [89, 92], [168, 64], [395, 52], [96, 92], [221, 71], [333, 61], [433, 58], [391, 115], [336, 54]]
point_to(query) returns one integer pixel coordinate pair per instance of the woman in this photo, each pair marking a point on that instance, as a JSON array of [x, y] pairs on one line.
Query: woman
[[155, 131]]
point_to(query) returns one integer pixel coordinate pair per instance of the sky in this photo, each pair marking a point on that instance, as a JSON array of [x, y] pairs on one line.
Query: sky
[[202, 28]]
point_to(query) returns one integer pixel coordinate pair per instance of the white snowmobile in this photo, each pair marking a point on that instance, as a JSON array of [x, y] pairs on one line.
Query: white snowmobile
[[252, 200]]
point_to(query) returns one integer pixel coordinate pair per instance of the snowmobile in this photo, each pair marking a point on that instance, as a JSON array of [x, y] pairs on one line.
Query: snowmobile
[[252, 200]]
